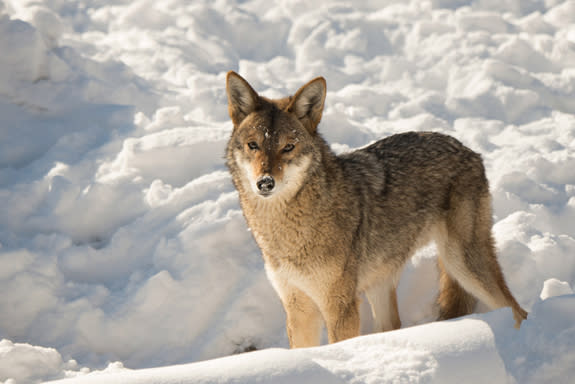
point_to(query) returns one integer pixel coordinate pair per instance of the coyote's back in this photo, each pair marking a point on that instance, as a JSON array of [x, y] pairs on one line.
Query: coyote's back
[[331, 227]]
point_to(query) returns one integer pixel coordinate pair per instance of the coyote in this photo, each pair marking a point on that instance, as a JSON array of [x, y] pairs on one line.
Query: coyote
[[331, 227]]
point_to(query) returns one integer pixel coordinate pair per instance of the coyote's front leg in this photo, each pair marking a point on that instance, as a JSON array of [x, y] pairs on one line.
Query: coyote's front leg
[[340, 309], [303, 321]]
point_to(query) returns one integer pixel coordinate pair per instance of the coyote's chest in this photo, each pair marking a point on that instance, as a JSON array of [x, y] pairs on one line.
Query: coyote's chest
[[285, 236]]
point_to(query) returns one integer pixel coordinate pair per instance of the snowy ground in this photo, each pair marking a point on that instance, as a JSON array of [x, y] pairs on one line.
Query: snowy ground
[[122, 246]]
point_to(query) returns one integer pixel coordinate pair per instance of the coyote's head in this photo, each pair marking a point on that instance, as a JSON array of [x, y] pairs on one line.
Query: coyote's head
[[272, 144]]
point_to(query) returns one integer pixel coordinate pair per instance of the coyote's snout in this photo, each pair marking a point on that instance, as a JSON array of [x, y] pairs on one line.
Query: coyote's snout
[[266, 185], [331, 227]]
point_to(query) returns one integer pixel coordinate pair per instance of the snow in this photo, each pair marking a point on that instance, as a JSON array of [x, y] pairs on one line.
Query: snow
[[474, 349], [123, 250]]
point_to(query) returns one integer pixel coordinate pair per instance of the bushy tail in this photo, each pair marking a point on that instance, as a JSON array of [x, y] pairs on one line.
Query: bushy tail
[[453, 300]]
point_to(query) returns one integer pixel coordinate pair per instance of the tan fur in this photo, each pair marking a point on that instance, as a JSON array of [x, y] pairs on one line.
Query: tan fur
[[331, 227], [453, 300]]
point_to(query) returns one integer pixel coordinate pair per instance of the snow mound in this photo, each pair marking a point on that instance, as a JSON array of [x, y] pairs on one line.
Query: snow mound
[[26, 363], [471, 350]]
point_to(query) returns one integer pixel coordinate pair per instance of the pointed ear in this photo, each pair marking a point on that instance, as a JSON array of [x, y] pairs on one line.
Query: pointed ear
[[242, 99], [307, 103]]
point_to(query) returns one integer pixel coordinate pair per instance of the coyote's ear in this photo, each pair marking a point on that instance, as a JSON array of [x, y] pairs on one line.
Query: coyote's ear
[[307, 103], [242, 99]]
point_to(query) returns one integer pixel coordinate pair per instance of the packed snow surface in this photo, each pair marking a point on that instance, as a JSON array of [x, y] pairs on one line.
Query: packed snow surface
[[124, 256]]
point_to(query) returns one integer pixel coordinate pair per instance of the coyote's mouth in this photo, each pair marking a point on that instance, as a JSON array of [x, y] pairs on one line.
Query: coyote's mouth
[[265, 194]]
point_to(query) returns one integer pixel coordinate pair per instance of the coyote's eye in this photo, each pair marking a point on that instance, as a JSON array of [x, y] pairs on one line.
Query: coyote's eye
[[288, 148], [253, 145]]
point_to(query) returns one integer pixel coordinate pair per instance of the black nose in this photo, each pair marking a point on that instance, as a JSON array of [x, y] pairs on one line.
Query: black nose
[[266, 184]]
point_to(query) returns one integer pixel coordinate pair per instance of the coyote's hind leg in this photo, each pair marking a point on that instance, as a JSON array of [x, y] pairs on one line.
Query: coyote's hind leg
[[382, 298]]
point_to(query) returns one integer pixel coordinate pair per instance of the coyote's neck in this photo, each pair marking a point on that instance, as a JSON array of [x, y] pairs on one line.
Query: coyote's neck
[[283, 229]]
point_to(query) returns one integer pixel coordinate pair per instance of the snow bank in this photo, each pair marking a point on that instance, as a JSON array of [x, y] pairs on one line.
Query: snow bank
[[24, 362], [474, 349], [121, 237]]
